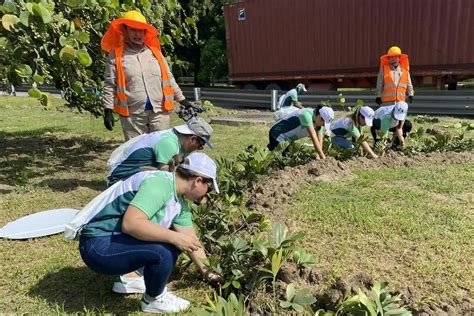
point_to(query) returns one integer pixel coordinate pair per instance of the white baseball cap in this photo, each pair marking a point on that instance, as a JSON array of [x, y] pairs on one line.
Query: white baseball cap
[[400, 110], [328, 115], [201, 164], [368, 114], [301, 87], [196, 126]]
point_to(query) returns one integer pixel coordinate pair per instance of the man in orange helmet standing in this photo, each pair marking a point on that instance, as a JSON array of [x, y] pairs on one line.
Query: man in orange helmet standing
[[393, 81], [138, 84]]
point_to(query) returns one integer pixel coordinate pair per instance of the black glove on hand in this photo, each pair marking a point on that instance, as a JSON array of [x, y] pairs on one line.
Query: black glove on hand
[[410, 99], [109, 119], [378, 100], [185, 103]]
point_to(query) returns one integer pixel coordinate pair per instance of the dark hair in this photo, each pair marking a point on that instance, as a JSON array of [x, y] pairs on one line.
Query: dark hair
[[316, 114], [174, 162], [316, 110], [355, 117], [187, 174]]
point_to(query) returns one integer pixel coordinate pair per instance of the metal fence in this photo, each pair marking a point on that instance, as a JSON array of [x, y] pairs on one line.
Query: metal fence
[[457, 103]]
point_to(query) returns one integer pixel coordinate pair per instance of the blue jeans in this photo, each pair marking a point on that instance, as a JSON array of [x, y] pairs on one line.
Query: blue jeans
[[342, 142], [120, 254]]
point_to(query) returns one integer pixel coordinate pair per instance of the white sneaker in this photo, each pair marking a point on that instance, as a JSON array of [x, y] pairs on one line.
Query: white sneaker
[[167, 302], [129, 285]]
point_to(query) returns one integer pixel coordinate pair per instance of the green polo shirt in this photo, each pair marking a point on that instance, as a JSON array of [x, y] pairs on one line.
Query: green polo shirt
[[153, 192]]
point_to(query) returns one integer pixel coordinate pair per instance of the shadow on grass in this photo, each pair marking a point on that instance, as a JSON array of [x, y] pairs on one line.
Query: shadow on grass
[[75, 290], [65, 185], [36, 153]]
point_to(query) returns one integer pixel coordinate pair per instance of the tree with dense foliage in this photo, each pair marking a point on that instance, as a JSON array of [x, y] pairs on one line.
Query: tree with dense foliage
[[58, 42]]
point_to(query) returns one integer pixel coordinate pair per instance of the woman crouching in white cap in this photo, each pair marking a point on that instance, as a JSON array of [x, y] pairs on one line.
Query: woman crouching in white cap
[[303, 123], [145, 222], [348, 129], [391, 118]]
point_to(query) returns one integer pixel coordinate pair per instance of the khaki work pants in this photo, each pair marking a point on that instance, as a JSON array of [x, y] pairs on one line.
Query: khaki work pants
[[144, 123]]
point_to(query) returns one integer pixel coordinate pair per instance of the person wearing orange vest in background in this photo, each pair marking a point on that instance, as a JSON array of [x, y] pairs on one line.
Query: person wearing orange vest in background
[[393, 81], [138, 84]]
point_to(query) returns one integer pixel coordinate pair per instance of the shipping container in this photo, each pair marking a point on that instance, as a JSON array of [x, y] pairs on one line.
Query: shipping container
[[338, 43]]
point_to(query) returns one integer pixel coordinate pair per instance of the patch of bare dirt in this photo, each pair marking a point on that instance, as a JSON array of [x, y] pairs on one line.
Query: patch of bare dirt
[[267, 195], [274, 192]]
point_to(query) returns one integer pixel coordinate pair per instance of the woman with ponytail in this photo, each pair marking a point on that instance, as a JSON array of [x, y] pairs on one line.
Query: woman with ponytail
[[303, 123], [347, 130], [143, 224]]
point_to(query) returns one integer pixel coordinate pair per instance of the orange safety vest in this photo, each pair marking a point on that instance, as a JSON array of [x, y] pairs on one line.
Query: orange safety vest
[[121, 104], [392, 92]]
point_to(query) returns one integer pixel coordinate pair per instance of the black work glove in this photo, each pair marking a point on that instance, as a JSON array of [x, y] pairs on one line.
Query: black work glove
[[109, 119], [185, 103], [378, 100], [410, 99]]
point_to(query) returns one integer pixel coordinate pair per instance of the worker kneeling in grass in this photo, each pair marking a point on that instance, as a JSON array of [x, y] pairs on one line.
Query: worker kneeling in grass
[[348, 129], [391, 118], [145, 222], [303, 123]]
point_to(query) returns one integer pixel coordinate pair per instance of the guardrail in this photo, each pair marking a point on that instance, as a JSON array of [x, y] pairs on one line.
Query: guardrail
[[457, 103]]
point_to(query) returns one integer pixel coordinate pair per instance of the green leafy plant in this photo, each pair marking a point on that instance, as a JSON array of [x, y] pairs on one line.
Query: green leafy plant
[[301, 257], [256, 162], [297, 301], [275, 264], [220, 306], [380, 303]]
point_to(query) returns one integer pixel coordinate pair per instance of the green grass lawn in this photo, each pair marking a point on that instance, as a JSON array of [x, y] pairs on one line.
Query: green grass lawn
[[57, 158], [410, 227]]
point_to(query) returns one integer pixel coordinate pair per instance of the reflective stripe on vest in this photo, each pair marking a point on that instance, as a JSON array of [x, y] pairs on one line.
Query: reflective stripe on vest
[[168, 92], [392, 92], [120, 102]]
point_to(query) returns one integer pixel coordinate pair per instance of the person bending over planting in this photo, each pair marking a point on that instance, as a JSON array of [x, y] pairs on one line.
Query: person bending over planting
[[348, 129], [158, 149], [144, 223], [391, 118], [303, 123]]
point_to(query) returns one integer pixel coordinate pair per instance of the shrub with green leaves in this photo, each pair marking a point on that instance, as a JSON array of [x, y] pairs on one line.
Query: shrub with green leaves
[[297, 301], [380, 303], [220, 306], [301, 257]]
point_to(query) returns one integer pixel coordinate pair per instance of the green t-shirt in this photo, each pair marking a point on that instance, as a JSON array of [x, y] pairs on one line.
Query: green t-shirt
[[294, 126], [288, 99], [153, 150], [384, 114], [166, 148], [344, 127], [153, 192]]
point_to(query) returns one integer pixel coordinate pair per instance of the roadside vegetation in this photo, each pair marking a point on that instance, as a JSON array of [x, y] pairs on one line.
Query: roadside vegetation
[[57, 158]]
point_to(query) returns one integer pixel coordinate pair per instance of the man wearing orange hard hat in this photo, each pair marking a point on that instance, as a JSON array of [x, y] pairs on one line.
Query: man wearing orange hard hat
[[139, 85], [393, 81]]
